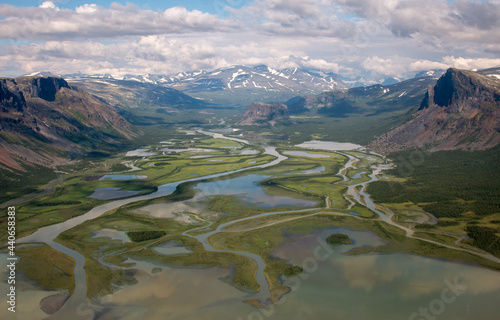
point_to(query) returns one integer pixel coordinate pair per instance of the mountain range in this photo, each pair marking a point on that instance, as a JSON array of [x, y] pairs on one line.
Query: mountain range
[[50, 121], [233, 86]]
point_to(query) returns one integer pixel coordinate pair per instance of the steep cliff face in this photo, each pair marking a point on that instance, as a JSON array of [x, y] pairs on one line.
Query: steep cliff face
[[461, 111], [45, 121], [263, 114]]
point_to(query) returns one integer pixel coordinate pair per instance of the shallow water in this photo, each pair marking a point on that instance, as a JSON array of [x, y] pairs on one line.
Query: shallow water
[[171, 248], [306, 154], [383, 286], [249, 152], [247, 189], [111, 193], [312, 171], [122, 177], [333, 286], [112, 234], [187, 150], [358, 175], [329, 145], [173, 210], [140, 153]]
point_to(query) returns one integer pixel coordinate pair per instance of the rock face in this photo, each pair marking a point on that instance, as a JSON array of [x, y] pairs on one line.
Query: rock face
[[461, 111], [47, 122], [263, 114]]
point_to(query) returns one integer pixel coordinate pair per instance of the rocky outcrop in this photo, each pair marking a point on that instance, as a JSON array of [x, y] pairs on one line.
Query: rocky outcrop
[[45, 121], [461, 111], [263, 114]]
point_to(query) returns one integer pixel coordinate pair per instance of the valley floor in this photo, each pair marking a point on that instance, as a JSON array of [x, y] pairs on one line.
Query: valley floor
[[203, 200]]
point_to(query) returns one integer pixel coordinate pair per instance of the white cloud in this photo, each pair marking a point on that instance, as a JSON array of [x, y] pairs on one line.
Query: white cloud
[[468, 63], [377, 38], [403, 66], [48, 5], [87, 8], [446, 21], [93, 21]]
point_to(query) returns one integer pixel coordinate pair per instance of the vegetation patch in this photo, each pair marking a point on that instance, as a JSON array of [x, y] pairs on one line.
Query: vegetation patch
[[338, 239], [291, 271], [139, 236], [485, 238], [51, 269]]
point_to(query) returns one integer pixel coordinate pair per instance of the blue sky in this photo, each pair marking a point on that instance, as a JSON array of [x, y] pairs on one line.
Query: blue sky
[[368, 38], [210, 6]]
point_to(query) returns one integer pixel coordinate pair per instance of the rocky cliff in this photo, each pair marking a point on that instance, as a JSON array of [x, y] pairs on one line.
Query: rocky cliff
[[45, 121], [461, 111], [263, 114]]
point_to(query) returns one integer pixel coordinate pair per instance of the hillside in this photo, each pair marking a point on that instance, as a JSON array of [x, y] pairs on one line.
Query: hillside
[[358, 115], [140, 103], [46, 122], [371, 100], [263, 114], [461, 111]]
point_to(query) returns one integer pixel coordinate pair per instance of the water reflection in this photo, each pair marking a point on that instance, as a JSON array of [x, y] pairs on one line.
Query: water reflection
[[370, 286], [306, 154], [171, 248], [247, 189], [109, 193], [28, 296], [175, 294]]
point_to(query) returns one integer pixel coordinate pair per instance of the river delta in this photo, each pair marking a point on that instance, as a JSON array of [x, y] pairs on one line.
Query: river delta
[[244, 227]]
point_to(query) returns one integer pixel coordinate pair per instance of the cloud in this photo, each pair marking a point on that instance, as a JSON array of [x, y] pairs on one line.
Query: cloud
[[440, 20], [371, 38], [312, 18], [398, 66], [48, 5], [48, 22]]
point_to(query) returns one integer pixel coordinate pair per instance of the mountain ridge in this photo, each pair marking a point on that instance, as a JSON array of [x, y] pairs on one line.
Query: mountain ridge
[[236, 85], [45, 121], [461, 111]]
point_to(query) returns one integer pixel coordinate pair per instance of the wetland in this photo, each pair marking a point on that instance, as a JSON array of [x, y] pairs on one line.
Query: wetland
[[215, 226]]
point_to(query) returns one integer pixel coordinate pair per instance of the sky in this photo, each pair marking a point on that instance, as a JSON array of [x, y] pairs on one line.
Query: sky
[[374, 39]]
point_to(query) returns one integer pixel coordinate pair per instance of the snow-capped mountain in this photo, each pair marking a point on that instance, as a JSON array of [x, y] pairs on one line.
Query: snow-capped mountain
[[239, 77], [262, 78], [236, 84]]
